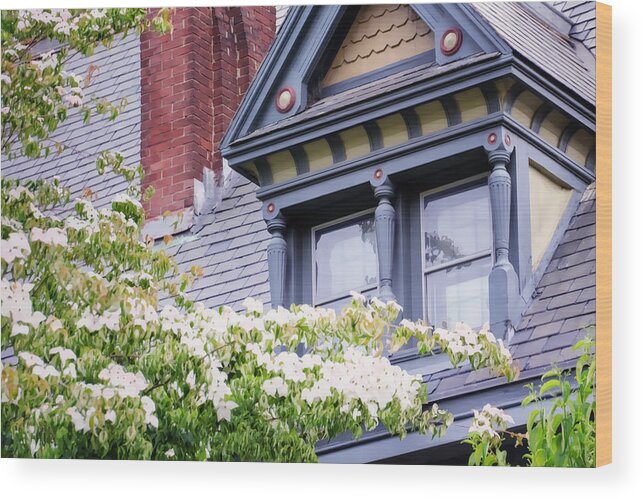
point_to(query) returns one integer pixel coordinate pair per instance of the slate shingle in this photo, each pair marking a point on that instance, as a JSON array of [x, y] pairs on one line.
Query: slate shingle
[[541, 44], [583, 15]]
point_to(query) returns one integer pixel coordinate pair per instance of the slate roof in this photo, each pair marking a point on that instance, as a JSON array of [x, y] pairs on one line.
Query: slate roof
[[117, 76], [230, 246], [583, 17], [564, 305], [541, 44]]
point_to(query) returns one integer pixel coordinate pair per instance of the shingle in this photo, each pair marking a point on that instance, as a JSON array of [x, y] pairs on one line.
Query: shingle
[[545, 359], [566, 249], [542, 44], [583, 220], [578, 323], [541, 318], [587, 294], [555, 289], [546, 329], [567, 274], [563, 300], [583, 282], [560, 341], [528, 349]]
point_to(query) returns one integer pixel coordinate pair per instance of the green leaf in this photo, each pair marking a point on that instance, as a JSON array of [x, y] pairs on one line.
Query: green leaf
[[549, 385]]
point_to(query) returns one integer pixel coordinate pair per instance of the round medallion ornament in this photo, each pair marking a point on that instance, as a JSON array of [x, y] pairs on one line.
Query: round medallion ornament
[[507, 140], [271, 208], [492, 139], [451, 41], [378, 173], [285, 99]]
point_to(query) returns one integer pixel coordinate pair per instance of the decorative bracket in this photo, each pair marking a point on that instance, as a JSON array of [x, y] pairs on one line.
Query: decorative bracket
[[384, 232]]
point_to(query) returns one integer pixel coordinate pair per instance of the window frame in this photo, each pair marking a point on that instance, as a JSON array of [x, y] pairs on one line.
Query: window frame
[[437, 193], [313, 231]]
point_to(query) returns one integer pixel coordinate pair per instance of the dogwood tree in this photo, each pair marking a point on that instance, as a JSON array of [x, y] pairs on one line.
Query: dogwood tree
[[104, 369]]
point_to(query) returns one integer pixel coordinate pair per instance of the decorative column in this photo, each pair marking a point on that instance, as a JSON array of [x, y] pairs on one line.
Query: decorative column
[[503, 281], [276, 251], [384, 232]]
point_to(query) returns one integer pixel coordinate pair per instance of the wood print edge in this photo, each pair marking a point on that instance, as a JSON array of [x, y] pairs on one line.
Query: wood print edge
[[604, 234]]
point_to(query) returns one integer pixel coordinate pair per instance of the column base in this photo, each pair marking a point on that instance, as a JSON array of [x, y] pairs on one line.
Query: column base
[[504, 299]]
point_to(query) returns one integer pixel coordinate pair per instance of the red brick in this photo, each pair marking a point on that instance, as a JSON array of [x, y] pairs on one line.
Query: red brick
[[192, 82]]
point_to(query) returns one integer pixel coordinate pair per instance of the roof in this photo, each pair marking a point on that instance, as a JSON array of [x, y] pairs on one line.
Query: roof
[[541, 44], [118, 76], [230, 245], [583, 17], [563, 306]]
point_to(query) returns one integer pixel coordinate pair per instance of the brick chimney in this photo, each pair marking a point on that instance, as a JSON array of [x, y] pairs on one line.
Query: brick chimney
[[192, 82]]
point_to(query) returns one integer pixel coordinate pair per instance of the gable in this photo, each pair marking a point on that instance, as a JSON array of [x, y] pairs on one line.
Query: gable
[[318, 47], [380, 35]]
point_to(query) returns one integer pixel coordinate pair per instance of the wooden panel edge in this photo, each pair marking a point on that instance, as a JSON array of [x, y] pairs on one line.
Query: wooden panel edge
[[603, 234]]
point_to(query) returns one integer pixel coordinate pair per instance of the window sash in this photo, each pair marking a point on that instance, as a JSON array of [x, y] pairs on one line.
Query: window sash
[[325, 227], [457, 187], [434, 320]]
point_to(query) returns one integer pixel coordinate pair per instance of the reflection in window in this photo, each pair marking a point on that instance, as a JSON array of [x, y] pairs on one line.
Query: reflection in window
[[345, 259], [457, 257]]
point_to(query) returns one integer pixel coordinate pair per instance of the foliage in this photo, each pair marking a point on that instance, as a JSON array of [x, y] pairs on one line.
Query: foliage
[[563, 435], [37, 92], [113, 359], [485, 437]]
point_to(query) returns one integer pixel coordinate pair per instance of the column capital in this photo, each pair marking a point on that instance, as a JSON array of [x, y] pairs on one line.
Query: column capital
[[499, 144], [277, 225], [499, 158], [382, 185]]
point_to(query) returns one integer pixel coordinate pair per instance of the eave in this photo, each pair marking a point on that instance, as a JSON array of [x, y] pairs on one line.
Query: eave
[[379, 445], [490, 67]]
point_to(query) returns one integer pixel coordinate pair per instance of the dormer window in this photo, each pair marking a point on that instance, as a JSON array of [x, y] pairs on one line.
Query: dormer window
[[468, 167], [456, 225]]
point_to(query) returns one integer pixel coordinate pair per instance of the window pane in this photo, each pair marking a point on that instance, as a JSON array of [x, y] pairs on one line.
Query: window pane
[[345, 258], [459, 293], [457, 225]]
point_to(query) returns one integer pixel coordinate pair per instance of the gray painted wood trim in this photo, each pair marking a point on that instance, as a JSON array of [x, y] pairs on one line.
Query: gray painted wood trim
[[412, 121], [301, 160], [539, 116], [374, 133], [336, 147]]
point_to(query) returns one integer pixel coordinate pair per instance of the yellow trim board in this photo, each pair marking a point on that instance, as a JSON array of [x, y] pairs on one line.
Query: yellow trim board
[[603, 234]]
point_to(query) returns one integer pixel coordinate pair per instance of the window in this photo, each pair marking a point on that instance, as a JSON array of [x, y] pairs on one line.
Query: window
[[457, 256], [344, 259]]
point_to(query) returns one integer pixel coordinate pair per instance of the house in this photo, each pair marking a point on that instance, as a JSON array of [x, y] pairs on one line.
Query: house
[[441, 155]]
